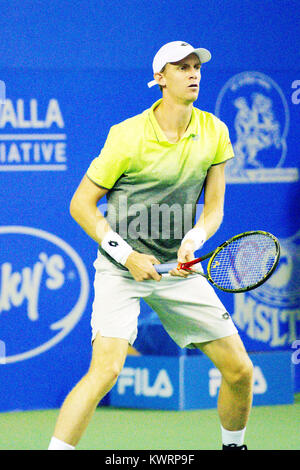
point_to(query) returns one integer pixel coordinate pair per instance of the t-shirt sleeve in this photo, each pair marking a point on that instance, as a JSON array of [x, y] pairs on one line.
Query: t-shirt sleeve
[[224, 149], [112, 162]]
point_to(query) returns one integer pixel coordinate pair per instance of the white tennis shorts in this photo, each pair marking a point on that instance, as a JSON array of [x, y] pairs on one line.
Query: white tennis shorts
[[188, 308]]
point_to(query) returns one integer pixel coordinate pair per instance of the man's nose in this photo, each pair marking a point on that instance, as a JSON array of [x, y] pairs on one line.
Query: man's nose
[[195, 74]]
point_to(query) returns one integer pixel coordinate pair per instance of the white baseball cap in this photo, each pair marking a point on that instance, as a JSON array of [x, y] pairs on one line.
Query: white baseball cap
[[173, 52]]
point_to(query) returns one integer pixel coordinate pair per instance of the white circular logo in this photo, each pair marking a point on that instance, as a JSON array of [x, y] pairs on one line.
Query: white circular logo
[[44, 290], [256, 111]]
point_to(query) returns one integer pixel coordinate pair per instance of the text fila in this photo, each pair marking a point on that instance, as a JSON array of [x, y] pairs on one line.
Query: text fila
[[138, 379]]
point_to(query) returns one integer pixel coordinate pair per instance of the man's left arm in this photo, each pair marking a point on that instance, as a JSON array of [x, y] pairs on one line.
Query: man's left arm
[[214, 194], [211, 216]]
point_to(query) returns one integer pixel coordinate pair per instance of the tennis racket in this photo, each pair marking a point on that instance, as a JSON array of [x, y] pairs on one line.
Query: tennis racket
[[240, 264]]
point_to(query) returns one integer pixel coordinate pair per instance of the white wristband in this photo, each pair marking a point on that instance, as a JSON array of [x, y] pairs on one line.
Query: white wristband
[[197, 235], [116, 247]]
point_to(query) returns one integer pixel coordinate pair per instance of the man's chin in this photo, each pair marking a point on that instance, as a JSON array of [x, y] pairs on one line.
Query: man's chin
[[191, 99], [193, 96]]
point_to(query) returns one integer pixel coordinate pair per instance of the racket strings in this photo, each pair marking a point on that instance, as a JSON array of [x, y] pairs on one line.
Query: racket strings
[[244, 262]]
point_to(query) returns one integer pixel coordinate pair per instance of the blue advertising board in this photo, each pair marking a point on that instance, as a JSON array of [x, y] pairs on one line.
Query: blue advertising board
[[187, 382], [57, 105]]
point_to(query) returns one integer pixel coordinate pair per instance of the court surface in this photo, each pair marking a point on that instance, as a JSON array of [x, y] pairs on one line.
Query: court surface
[[269, 428]]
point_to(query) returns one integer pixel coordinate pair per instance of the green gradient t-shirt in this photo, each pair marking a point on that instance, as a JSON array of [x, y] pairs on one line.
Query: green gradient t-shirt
[[154, 185]]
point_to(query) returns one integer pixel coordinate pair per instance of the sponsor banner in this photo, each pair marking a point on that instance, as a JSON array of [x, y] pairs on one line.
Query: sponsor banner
[[49, 133], [44, 291], [42, 145], [261, 110], [148, 382], [192, 382], [47, 271]]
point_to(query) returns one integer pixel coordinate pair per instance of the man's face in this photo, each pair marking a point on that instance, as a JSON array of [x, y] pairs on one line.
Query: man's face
[[181, 79]]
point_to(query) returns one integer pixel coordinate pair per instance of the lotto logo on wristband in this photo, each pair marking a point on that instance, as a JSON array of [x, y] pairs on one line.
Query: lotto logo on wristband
[[113, 243], [116, 247]]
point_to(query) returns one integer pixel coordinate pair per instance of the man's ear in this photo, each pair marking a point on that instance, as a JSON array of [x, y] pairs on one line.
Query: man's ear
[[160, 79]]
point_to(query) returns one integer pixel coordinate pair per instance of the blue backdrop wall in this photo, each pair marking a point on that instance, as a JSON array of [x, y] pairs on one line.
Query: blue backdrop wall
[[73, 69]]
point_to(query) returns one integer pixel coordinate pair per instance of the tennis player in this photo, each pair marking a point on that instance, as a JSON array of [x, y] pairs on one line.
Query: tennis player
[[162, 158]]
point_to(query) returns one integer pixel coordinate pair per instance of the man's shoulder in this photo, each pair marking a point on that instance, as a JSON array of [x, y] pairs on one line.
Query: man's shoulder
[[208, 118], [131, 125]]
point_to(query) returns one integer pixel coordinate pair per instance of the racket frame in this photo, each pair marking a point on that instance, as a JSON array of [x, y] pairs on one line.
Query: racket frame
[[215, 252]]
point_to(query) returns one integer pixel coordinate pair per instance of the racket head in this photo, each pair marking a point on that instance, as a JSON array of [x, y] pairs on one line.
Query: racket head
[[244, 262]]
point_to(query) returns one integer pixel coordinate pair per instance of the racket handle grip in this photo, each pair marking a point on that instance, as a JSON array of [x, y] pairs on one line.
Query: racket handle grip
[[165, 268]]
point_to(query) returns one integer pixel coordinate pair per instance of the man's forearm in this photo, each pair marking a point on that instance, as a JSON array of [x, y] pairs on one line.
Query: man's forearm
[[210, 220], [91, 220]]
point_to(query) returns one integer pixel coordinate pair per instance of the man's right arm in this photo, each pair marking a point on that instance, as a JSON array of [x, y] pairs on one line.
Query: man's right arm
[[84, 210]]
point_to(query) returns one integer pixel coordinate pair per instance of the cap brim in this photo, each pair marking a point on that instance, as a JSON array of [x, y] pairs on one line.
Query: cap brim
[[152, 83], [203, 54]]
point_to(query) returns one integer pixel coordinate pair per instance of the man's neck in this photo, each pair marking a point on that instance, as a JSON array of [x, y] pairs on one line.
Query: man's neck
[[173, 118]]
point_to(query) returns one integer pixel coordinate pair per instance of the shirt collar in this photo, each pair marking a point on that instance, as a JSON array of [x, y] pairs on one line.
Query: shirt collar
[[160, 135]]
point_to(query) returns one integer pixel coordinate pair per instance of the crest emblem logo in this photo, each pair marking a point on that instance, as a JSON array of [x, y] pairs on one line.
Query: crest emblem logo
[[257, 114]]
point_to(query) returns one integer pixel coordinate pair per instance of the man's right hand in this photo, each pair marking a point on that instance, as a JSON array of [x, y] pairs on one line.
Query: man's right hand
[[141, 266]]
